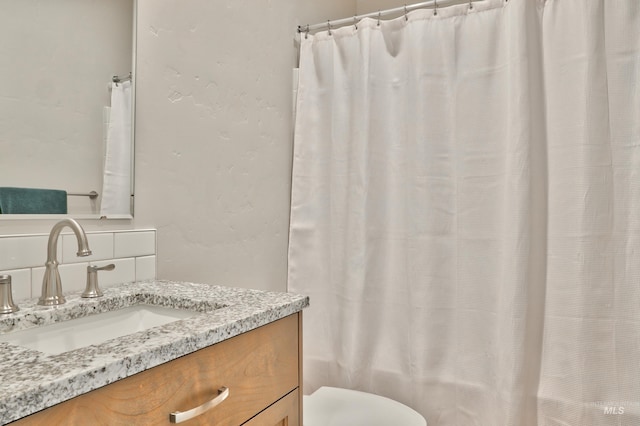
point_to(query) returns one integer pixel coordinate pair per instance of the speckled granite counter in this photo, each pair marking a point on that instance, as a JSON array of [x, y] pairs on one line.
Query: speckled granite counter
[[31, 381]]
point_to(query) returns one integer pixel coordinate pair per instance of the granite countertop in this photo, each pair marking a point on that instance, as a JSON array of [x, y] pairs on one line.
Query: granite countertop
[[31, 381]]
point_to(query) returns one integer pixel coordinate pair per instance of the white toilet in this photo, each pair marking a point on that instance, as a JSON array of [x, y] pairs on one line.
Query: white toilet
[[342, 407]]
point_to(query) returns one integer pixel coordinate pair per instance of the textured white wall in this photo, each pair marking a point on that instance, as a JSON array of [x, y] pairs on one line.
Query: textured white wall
[[214, 134], [367, 6]]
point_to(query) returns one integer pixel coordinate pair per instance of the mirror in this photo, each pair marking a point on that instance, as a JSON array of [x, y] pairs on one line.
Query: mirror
[[57, 61]]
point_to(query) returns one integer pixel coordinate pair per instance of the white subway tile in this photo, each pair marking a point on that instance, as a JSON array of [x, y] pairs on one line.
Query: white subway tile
[[36, 281], [135, 243], [73, 277], [145, 268], [101, 245], [24, 251], [20, 283], [124, 272]]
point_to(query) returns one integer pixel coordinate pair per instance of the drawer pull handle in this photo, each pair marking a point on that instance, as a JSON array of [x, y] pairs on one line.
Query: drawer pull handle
[[181, 416]]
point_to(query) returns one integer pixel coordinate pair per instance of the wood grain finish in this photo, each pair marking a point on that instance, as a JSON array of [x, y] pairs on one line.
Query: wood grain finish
[[282, 413], [259, 367], [300, 405]]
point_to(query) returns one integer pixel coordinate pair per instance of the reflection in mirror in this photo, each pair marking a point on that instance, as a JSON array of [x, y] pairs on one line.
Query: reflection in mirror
[[64, 124]]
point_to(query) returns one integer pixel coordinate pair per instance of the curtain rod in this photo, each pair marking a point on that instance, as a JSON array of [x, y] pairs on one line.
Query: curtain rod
[[118, 79], [404, 9]]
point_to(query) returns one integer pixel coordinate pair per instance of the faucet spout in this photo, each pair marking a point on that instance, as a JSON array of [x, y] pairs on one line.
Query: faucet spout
[[51, 284]]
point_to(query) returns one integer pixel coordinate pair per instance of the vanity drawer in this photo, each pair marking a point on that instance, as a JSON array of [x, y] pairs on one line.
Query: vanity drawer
[[283, 413], [258, 367]]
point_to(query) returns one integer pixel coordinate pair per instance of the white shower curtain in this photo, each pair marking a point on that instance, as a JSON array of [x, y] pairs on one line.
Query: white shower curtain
[[466, 211], [116, 183]]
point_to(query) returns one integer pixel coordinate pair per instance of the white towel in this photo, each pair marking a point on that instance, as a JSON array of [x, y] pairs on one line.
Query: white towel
[[116, 184]]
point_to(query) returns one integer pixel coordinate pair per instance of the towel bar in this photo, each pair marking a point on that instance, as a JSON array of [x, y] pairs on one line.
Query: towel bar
[[93, 194]]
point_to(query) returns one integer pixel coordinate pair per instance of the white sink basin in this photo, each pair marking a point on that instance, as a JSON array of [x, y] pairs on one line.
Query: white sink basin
[[94, 329]]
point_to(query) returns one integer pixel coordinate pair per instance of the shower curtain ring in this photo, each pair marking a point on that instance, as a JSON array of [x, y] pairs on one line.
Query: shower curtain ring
[[435, 7], [329, 26], [470, 4], [406, 18], [306, 33], [379, 15], [355, 22]]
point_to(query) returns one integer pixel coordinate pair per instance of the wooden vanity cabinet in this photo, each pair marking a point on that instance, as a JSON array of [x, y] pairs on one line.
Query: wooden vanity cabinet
[[261, 369]]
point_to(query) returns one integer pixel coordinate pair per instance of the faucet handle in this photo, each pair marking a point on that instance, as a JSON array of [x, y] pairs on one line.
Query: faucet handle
[[92, 289], [109, 267], [6, 298]]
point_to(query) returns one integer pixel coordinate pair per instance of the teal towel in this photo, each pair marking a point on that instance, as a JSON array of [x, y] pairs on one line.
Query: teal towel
[[32, 201]]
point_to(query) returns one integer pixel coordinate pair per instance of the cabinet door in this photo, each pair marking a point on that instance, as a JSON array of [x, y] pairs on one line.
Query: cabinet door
[[282, 413], [258, 367]]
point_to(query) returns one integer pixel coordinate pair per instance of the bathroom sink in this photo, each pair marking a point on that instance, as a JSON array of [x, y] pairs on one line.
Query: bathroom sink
[[94, 329]]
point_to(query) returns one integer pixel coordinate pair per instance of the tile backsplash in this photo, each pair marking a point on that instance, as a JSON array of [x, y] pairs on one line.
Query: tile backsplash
[[23, 257]]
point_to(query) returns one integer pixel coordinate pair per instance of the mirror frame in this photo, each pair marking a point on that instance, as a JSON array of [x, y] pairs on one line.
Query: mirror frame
[[87, 216]]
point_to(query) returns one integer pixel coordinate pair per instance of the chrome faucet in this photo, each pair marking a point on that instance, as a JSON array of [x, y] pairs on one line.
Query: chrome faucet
[[51, 284]]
